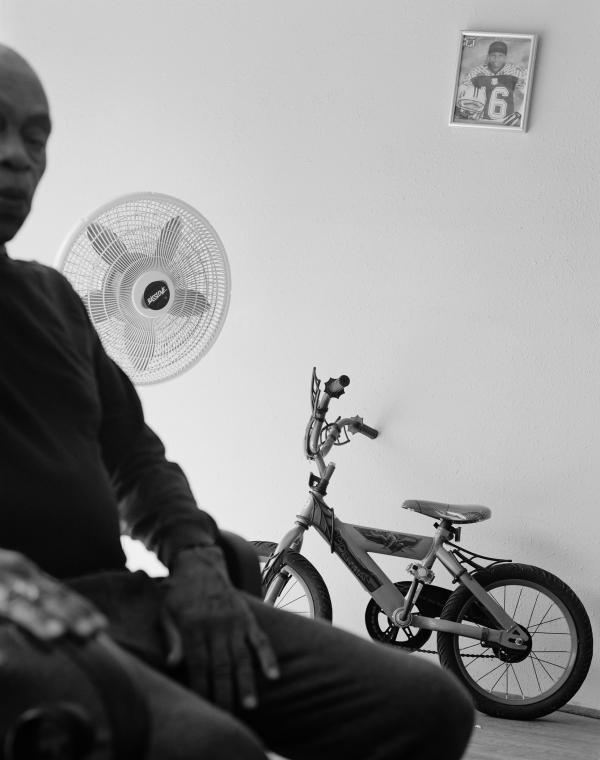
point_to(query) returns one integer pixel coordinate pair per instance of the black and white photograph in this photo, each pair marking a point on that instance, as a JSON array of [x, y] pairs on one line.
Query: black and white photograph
[[299, 409], [493, 80]]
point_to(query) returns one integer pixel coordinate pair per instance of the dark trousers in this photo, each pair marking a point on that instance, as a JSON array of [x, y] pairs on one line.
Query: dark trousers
[[339, 696]]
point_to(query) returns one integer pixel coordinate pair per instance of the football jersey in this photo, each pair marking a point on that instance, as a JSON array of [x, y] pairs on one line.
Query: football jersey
[[498, 88]]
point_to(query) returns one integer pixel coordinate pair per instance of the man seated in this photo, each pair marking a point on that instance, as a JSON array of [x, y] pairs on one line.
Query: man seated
[[226, 676]]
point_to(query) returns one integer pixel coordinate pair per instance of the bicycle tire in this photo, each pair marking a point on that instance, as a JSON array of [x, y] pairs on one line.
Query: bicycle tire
[[573, 630], [303, 573]]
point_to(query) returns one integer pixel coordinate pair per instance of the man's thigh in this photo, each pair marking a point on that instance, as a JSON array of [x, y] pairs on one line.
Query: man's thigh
[[186, 727], [343, 696]]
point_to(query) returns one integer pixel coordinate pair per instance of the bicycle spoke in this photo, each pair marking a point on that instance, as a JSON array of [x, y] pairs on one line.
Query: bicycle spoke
[[477, 644], [545, 613], [288, 587], [517, 604], [545, 622], [287, 604], [535, 673], [544, 668], [501, 676], [517, 680], [293, 596], [533, 609], [555, 633], [491, 671], [548, 662], [474, 660]]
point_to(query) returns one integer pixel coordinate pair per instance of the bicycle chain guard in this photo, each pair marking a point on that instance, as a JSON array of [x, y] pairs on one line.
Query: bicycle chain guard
[[430, 603]]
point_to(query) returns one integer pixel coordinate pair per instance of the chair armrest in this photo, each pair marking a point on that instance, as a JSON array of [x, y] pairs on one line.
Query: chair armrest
[[242, 563]]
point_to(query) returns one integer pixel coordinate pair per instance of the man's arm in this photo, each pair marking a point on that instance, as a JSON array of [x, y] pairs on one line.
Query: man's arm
[[155, 500], [210, 623]]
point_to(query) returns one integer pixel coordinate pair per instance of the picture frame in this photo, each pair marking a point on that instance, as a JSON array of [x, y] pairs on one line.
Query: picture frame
[[494, 76]]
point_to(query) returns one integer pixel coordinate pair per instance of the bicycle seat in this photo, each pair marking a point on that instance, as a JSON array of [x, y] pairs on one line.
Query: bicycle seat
[[453, 512]]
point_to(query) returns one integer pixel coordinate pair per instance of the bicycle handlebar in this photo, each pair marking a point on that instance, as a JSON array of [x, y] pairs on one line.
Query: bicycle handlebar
[[366, 430], [334, 388]]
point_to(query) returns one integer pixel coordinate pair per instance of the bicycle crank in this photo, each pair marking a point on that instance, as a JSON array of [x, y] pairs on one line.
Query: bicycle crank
[[381, 628]]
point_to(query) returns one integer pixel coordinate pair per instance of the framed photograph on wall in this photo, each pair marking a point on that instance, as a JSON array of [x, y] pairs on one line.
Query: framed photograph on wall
[[493, 80]]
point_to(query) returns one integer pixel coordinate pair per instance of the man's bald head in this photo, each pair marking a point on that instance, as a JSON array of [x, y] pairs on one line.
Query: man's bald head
[[24, 131]]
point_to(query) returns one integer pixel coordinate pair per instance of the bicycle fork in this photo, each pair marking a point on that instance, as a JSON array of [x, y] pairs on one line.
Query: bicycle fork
[[274, 576]]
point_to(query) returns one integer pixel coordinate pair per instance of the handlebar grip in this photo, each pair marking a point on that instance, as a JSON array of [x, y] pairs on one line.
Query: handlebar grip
[[334, 387], [366, 430]]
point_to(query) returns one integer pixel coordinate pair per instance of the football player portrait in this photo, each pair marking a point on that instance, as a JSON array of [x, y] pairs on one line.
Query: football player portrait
[[492, 91]]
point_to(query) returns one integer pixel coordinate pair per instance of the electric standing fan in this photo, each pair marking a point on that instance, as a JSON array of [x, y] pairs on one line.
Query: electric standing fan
[[154, 277]]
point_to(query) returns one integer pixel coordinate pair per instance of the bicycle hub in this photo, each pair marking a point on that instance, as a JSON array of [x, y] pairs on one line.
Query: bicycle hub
[[399, 618]]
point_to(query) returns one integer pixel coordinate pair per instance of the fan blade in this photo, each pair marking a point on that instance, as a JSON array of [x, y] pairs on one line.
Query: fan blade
[[102, 305], [139, 343], [108, 245], [189, 303], [168, 241]]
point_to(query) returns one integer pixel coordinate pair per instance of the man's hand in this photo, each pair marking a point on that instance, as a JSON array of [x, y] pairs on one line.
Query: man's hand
[[219, 636], [41, 605]]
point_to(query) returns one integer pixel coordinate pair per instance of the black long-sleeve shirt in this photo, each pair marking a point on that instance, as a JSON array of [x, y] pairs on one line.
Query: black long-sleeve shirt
[[76, 456]]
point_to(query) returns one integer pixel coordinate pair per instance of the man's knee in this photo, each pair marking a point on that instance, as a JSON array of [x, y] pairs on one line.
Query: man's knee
[[213, 737], [234, 741], [450, 717]]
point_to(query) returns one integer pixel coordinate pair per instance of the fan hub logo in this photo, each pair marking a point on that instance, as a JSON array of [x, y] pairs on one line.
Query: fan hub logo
[[156, 295]]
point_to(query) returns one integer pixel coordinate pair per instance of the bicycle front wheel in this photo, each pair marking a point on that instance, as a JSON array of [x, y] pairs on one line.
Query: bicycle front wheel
[[527, 685], [298, 588]]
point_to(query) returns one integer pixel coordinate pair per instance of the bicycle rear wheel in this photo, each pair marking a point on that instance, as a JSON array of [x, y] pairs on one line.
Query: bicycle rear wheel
[[301, 589], [528, 685]]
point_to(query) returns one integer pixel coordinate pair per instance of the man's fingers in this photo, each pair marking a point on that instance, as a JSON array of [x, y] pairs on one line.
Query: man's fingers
[[221, 666], [263, 650], [197, 665], [223, 647], [245, 680], [173, 642]]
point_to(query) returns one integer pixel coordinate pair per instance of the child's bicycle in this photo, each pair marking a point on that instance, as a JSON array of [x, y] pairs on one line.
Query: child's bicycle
[[517, 636]]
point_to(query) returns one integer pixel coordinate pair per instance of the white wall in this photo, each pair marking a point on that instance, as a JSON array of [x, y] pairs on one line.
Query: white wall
[[452, 273]]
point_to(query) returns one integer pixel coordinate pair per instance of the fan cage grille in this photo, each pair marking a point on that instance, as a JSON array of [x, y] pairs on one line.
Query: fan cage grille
[[171, 343]]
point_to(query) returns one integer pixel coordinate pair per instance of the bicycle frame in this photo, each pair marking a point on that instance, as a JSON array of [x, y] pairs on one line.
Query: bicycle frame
[[353, 543]]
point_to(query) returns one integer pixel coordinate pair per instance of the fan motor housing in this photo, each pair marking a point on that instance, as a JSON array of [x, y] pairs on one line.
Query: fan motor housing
[[156, 295], [151, 294]]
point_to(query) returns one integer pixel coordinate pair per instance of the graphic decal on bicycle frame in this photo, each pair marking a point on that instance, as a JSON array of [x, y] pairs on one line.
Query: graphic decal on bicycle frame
[[323, 520], [391, 542], [368, 579]]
